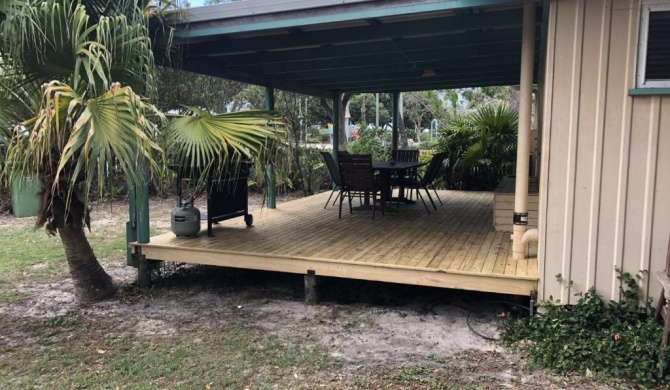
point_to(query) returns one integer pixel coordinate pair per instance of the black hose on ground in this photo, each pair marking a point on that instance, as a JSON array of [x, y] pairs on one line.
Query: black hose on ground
[[474, 309]]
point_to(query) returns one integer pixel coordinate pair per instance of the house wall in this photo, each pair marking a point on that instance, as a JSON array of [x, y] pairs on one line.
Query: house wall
[[605, 180]]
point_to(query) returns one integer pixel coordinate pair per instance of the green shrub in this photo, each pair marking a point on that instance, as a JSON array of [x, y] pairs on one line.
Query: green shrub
[[374, 141], [480, 147], [620, 339]]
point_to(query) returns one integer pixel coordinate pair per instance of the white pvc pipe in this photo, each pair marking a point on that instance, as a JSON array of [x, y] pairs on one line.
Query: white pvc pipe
[[531, 235], [525, 110]]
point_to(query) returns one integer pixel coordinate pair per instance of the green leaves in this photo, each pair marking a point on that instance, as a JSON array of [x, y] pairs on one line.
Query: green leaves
[[480, 147], [497, 136], [88, 48], [74, 140], [71, 76], [207, 143], [618, 339]]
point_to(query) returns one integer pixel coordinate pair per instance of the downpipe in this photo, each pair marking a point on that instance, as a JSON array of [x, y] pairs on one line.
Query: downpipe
[[531, 235]]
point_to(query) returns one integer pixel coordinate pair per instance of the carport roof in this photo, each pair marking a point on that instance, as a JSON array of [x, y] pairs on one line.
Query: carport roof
[[319, 47]]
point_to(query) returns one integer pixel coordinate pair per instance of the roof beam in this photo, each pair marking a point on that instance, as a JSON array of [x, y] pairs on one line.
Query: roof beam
[[418, 60], [250, 21], [406, 45], [365, 33], [473, 70], [205, 68], [358, 71], [417, 79], [466, 84], [438, 84]]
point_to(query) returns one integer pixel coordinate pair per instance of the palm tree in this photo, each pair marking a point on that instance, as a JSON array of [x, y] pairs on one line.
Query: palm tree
[[480, 147], [86, 64], [495, 147]]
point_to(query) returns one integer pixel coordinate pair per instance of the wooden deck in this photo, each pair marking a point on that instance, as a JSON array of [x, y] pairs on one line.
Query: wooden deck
[[453, 247]]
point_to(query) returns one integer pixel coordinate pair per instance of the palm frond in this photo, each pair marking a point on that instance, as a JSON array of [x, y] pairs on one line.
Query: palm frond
[[207, 143], [82, 47], [108, 129], [73, 140], [473, 156]]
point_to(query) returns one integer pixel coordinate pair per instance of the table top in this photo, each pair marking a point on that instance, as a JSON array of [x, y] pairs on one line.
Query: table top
[[400, 165]]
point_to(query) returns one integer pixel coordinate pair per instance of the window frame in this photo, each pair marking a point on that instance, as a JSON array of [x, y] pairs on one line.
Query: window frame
[[646, 7]]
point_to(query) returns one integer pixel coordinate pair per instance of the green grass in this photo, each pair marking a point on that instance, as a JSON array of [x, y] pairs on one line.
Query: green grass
[[37, 256], [75, 353], [9, 297]]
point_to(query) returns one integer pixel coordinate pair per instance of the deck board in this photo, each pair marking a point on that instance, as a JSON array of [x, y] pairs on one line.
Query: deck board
[[453, 247]]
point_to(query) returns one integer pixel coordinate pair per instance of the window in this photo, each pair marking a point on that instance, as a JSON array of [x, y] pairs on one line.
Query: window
[[653, 62]]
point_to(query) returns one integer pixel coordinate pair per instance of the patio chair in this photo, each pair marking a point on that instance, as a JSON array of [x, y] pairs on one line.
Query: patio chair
[[427, 179], [406, 155], [334, 176], [357, 177]]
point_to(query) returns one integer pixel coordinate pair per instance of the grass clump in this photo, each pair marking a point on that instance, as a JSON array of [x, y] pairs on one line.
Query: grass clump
[[36, 256], [619, 339]]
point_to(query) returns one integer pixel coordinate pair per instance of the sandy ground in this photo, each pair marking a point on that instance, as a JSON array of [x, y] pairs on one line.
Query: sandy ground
[[363, 324]]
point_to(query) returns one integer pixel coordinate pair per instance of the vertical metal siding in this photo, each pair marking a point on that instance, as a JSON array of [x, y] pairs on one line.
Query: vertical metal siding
[[606, 154]]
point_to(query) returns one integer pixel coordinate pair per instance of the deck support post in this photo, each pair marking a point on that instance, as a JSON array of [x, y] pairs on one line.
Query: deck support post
[[311, 291], [523, 145], [143, 276], [137, 227], [396, 118], [269, 170], [336, 125]]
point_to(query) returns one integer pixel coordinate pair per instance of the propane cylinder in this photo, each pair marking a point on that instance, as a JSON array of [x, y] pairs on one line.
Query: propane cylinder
[[185, 220]]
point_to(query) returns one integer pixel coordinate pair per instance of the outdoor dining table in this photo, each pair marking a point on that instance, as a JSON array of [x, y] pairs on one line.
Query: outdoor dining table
[[386, 168]]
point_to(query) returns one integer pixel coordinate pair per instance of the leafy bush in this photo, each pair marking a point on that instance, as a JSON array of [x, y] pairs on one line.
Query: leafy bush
[[308, 171], [480, 147], [619, 339], [374, 141]]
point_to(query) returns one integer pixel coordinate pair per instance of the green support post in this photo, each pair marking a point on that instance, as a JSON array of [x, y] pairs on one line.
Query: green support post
[[270, 98], [131, 226], [336, 125], [272, 194], [396, 118], [270, 171], [142, 193], [137, 228]]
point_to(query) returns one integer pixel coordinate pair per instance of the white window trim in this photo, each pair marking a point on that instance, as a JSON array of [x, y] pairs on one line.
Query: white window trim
[[646, 7]]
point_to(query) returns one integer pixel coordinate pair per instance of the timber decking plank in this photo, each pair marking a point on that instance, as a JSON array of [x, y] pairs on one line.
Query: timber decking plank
[[396, 245], [457, 240], [487, 252], [465, 240], [443, 249], [503, 253], [443, 256], [492, 255]]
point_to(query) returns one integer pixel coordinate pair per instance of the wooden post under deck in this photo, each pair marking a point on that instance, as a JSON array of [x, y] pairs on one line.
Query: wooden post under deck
[[311, 291], [143, 276]]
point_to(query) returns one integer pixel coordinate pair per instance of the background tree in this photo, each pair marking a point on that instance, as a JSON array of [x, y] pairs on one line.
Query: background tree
[[484, 96], [178, 88], [419, 110], [344, 100], [355, 108]]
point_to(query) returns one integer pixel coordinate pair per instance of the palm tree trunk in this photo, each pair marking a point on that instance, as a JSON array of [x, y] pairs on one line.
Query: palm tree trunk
[[91, 282]]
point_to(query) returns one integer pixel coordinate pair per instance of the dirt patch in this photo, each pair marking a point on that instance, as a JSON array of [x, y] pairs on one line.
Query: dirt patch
[[379, 335]]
